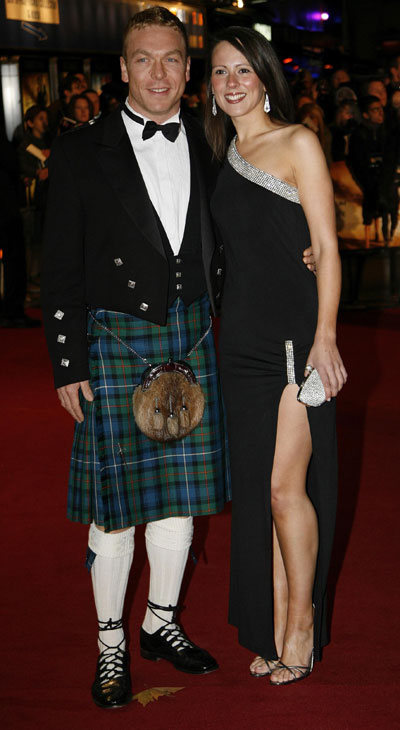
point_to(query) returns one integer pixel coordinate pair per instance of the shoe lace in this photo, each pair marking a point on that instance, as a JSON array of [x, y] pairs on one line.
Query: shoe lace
[[111, 659], [171, 632]]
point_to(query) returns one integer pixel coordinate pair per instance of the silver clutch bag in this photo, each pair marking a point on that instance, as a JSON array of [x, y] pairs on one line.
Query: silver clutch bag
[[312, 391]]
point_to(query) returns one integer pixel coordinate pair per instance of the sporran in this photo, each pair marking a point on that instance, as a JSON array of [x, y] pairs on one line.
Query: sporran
[[169, 402]]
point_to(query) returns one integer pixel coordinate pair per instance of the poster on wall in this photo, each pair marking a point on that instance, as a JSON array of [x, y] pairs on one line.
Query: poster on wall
[[33, 11], [35, 89]]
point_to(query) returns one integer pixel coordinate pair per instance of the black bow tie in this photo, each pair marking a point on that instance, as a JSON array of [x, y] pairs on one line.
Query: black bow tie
[[170, 130]]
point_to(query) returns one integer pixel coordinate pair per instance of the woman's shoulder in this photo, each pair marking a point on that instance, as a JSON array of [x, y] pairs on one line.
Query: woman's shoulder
[[301, 139], [297, 134], [294, 135]]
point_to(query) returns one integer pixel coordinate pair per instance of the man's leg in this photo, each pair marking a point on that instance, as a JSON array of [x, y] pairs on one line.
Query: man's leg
[[167, 543], [110, 572]]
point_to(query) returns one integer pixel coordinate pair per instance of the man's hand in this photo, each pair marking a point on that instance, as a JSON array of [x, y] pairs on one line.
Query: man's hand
[[308, 259], [69, 398]]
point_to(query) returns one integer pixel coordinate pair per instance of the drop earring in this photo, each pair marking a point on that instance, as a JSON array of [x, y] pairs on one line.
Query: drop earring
[[267, 105], [214, 107]]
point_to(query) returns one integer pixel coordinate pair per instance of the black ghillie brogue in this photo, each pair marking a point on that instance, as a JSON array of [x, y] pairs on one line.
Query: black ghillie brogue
[[112, 686], [171, 643]]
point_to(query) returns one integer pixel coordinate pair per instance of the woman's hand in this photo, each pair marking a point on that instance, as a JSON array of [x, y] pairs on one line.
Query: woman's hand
[[325, 358]]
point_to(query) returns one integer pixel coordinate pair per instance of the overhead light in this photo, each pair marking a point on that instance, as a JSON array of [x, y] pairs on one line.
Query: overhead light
[[324, 16], [240, 4], [264, 29]]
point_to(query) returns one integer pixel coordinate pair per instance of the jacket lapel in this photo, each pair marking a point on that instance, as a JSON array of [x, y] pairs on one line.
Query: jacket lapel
[[207, 235], [123, 173]]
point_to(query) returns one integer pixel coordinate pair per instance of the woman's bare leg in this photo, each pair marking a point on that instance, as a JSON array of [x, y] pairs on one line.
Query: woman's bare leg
[[296, 529]]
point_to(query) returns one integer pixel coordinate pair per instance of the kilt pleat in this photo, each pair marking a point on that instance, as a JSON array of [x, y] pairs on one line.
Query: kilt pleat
[[118, 476]]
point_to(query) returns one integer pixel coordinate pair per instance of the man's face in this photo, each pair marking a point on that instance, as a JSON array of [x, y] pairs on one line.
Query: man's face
[[156, 69], [82, 80], [378, 88], [76, 88], [39, 124], [375, 113]]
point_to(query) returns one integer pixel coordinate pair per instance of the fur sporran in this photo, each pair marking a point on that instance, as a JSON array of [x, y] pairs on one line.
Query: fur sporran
[[169, 403]]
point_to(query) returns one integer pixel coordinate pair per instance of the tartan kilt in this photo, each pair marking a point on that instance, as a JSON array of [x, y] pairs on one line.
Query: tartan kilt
[[118, 476]]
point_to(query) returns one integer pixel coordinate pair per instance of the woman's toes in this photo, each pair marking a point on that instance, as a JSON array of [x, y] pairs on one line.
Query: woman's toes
[[262, 666], [258, 665]]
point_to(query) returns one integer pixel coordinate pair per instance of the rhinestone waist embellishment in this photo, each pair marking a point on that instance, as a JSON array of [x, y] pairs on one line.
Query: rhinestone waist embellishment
[[291, 376], [264, 179]]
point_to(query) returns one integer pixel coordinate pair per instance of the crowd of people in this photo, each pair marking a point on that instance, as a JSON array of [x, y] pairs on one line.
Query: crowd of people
[[24, 182], [358, 122]]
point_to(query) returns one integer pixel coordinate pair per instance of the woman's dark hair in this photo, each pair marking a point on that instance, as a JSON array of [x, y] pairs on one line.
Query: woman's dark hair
[[264, 61]]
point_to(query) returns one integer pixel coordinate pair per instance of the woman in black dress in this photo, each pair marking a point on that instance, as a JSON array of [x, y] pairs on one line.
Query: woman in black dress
[[274, 196]]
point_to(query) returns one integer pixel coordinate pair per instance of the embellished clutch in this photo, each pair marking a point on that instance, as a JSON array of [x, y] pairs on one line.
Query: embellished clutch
[[312, 391]]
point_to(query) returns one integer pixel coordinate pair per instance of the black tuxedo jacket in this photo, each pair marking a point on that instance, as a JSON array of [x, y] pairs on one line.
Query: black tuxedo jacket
[[102, 245]]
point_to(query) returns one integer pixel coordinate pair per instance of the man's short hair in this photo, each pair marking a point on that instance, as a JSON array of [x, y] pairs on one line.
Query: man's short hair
[[156, 15], [32, 112], [67, 82], [367, 101]]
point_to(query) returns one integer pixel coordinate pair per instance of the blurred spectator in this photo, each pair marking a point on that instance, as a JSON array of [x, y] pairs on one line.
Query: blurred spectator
[[395, 104], [82, 80], [347, 118], [325, 99], [71, 85], [345, 93], [376, 87], [79, 110], [112, 96], [33, 154], [12, 312], [304, 84], [302, 99], [94, 99], [339, 77], [394, 75], [365, 160], [34, 148], [312, 116]]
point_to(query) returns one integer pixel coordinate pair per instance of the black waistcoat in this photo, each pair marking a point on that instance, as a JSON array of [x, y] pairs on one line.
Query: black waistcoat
[[186, 270]]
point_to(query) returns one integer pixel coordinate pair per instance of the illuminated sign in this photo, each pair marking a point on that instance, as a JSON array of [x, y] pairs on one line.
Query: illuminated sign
[[34, 11]]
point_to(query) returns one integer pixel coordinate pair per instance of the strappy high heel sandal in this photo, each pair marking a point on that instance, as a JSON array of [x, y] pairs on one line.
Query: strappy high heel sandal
[[274, 663], [303, 671]]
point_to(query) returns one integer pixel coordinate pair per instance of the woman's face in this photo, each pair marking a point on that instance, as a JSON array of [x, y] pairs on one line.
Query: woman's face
[[236, 86], [82, 112]]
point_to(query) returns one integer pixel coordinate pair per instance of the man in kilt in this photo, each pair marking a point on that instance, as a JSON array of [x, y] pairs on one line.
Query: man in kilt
[[130, 272]]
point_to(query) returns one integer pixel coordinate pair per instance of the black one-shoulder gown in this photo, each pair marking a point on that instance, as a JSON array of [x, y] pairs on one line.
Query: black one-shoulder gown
[[269, 316]]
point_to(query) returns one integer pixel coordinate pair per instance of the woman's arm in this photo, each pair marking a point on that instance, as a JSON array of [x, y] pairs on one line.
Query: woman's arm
[[316, 196]]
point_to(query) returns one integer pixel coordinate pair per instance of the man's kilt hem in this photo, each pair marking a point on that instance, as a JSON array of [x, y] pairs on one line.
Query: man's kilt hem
[[118, 476]]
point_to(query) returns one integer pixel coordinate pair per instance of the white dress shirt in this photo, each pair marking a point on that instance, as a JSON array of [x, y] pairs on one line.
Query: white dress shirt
[[165, 168]]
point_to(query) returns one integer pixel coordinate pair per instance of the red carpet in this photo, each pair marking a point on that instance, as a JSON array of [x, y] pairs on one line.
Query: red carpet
[[48, 621]]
